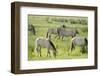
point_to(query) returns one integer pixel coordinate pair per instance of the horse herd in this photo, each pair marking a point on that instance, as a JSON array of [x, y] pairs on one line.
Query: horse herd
[[59, 32]]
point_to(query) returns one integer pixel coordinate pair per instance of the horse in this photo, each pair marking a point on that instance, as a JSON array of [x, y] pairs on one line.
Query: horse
[[32, 29], [54, 31], [65, 32], [46, 43], [79, 41]]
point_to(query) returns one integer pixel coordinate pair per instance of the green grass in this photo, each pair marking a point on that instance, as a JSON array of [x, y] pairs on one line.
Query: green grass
[[62, 46]]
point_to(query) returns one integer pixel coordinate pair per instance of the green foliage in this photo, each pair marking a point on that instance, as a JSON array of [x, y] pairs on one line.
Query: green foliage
[[41, 24]]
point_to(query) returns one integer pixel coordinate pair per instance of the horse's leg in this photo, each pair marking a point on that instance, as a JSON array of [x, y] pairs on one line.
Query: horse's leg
[[54, 53], [86, 48], [34, 33], [40, 51], [72, 47], [59, 37], [83, 49], [48, 53], [37, 50], [62, 37], [49, 36]]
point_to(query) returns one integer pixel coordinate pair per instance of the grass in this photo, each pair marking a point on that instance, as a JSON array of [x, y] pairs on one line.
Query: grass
[[62, 46]]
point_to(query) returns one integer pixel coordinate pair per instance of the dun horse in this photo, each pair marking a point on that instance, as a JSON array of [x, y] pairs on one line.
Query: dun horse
[[54, 31], [46, 43], [32, 29], [79, 41], [62, 32]]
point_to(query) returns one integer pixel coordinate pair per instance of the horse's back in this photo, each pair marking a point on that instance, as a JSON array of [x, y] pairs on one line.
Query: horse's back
[[42, 41], [78, 40], [66, 32], [52, 30]]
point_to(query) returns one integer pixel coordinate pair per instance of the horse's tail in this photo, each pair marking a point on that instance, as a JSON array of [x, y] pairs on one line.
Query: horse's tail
[[53, 46], [71, 46], [86, 40]]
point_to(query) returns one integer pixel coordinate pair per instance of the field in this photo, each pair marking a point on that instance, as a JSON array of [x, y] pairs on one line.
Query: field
[[42, 23]]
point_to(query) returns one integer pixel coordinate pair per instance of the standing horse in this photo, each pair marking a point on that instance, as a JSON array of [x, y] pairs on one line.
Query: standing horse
[[54, 31], [79, 41], [32, 29], [62, 32], [45, 42]]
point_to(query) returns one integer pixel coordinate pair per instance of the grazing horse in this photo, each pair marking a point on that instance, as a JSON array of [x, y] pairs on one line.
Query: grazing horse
[[79, 41], [46, 43], [32, 29], [65, 32], [54, 31]]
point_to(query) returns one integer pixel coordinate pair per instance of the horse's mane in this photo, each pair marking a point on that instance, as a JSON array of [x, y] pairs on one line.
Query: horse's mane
[[52, 45]]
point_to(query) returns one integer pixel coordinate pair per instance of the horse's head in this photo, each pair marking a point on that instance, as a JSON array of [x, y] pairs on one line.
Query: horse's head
[[63, 26], [77, 32]]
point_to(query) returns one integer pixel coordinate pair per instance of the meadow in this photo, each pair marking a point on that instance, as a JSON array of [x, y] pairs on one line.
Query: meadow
[[42, 23]]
